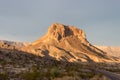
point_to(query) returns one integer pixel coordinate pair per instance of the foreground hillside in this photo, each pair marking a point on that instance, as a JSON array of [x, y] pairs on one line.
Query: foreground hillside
[[18, 65]]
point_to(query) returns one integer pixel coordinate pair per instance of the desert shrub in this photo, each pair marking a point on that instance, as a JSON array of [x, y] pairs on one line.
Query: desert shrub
[[55, 72], [4, 76], [70, 68], [31, 75], [87, 75], [70, 73], [3, 62]]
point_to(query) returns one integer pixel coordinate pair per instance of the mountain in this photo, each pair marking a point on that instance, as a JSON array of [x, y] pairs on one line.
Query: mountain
[[58, 55], [67, 43], [110, 50]]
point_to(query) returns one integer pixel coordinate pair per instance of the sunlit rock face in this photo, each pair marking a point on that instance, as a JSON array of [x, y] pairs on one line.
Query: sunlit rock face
[[59, 32], [67, 43]]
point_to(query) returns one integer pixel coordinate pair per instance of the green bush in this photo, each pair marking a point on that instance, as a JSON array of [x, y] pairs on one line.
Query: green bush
[[55, 72], [31, 75]]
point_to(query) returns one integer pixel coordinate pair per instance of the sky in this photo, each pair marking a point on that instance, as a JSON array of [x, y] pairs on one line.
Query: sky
[[28, 20]]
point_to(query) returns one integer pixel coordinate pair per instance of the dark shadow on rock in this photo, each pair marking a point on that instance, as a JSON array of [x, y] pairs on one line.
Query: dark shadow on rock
[[21, 57], [66, 52]]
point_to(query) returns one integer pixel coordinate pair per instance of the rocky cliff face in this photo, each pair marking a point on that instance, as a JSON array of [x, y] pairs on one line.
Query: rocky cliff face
[[67, 43], [58, 32]]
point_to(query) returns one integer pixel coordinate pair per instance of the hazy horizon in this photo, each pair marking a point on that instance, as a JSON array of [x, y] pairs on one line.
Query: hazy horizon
[[28, 20]]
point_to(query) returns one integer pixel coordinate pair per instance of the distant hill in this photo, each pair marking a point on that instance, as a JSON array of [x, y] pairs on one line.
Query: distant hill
[[12, 45], [110, 50]]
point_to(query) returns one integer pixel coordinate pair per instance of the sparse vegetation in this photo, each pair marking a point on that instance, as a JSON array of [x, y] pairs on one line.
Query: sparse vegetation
[[19, 65], [4, 76], [31, 67]]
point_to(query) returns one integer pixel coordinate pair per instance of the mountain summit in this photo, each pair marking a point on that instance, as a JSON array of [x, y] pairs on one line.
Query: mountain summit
[[57, 32], [67, 43]]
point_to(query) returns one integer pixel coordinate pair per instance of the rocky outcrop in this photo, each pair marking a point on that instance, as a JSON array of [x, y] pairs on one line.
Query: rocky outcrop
[[67, 43], [58, 32]]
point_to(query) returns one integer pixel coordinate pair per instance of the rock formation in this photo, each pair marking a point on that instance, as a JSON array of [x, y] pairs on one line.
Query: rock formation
[[67, 43]]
